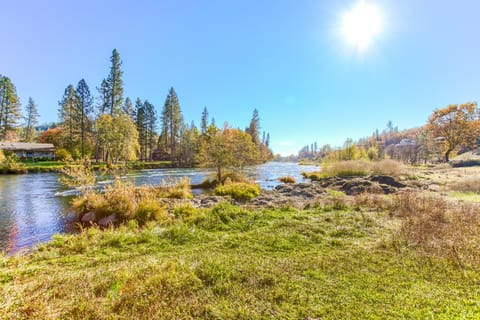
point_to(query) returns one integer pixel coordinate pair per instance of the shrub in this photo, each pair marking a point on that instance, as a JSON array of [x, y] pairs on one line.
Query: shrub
[[287, 179], [63, 155], [186, 212], [77, 175], [314, 176], [239, 190], [150, 209], [12, 165], [207, 184], [234, 177]]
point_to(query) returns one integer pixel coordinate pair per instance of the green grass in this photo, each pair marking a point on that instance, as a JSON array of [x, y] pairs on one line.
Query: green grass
[[465, 196], [56, 166], [230, 263]]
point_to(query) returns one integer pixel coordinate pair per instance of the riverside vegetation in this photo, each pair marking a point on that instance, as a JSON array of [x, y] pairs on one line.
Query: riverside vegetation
[[412, 253], [368, 238]]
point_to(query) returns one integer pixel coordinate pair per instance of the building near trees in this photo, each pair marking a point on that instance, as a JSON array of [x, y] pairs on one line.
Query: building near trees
[[30, 150]]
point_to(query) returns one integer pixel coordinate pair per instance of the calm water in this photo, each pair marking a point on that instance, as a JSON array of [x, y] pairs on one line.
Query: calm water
[[34, 207]]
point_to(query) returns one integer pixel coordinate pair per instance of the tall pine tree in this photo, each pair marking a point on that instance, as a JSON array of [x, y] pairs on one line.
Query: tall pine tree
[[85, 107], [31, 120], [115, 84], [9, 106], [127, 108], [150, 127], [204, 121], [104, 91], [70, 115], [140, 123], [171, 123]]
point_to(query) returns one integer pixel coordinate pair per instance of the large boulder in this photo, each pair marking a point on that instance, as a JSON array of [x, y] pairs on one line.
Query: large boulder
[[387, 180], [88, 218], [108, 221]]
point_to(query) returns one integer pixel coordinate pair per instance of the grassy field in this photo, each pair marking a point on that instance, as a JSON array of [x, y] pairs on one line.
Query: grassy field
[[229, 263]]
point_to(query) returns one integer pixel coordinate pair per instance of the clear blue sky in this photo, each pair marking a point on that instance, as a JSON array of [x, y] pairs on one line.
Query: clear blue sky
[[285, 58]]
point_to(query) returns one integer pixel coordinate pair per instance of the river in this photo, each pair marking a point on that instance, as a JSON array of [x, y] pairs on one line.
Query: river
[[33, 207]]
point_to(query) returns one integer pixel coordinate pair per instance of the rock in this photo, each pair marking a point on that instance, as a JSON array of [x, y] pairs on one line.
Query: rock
[[387, 180], [88, 218], [108, 221], [355, 186], [283, 188]]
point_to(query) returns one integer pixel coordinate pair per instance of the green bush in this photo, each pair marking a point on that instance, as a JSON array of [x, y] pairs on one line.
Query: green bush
[[238, 190], [63, 155], [11, 164], [186, 212], [150, 209]]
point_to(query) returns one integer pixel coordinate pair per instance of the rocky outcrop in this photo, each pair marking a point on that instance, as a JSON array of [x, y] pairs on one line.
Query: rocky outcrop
[[358, 185]]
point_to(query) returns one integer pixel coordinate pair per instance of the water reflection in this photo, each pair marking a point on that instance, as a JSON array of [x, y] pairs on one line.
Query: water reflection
[[33, 206], [29, 210]]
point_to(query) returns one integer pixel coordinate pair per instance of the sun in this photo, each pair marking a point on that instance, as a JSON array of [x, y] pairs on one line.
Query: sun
[[362, 24]]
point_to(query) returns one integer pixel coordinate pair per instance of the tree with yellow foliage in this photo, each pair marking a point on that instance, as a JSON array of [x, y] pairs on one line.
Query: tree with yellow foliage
[[456, 125], [227, 148]]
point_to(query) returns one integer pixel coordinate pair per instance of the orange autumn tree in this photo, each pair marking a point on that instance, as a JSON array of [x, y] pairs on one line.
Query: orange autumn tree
[[458, 125]]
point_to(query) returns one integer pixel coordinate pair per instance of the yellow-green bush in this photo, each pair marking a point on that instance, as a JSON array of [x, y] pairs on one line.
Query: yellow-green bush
[[63, 155], [239, 190], [150, 209]]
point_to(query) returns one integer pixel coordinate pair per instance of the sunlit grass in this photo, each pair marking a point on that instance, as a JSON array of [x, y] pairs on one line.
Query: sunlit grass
[[230, 263], [465, 196]]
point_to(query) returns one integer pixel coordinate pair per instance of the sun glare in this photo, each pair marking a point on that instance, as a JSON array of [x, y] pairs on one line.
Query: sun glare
[[361, 25]]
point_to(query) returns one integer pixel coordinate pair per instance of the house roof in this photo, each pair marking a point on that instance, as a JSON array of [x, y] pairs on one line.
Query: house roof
[[23, 146]]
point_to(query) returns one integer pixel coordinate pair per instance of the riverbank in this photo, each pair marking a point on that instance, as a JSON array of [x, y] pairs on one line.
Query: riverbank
[[232, 263], [56, 166], [322, 250]]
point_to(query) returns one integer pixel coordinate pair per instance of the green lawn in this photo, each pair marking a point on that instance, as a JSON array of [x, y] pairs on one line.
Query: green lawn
[[55, 166], [228, 263]]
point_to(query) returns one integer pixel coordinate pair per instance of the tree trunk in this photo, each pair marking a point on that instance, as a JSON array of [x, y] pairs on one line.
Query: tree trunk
[[219, 175], [447, 155]]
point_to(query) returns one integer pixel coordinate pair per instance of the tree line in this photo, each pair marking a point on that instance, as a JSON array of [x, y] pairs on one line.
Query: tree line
[[111, 128], [448, 131]]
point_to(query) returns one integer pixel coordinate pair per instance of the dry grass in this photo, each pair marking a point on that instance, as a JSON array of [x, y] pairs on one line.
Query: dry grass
[[347, 168], [358, 168], [375, 202], [388, 167], [287, 179], [467, 184], [129, 202], [439, 227]]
